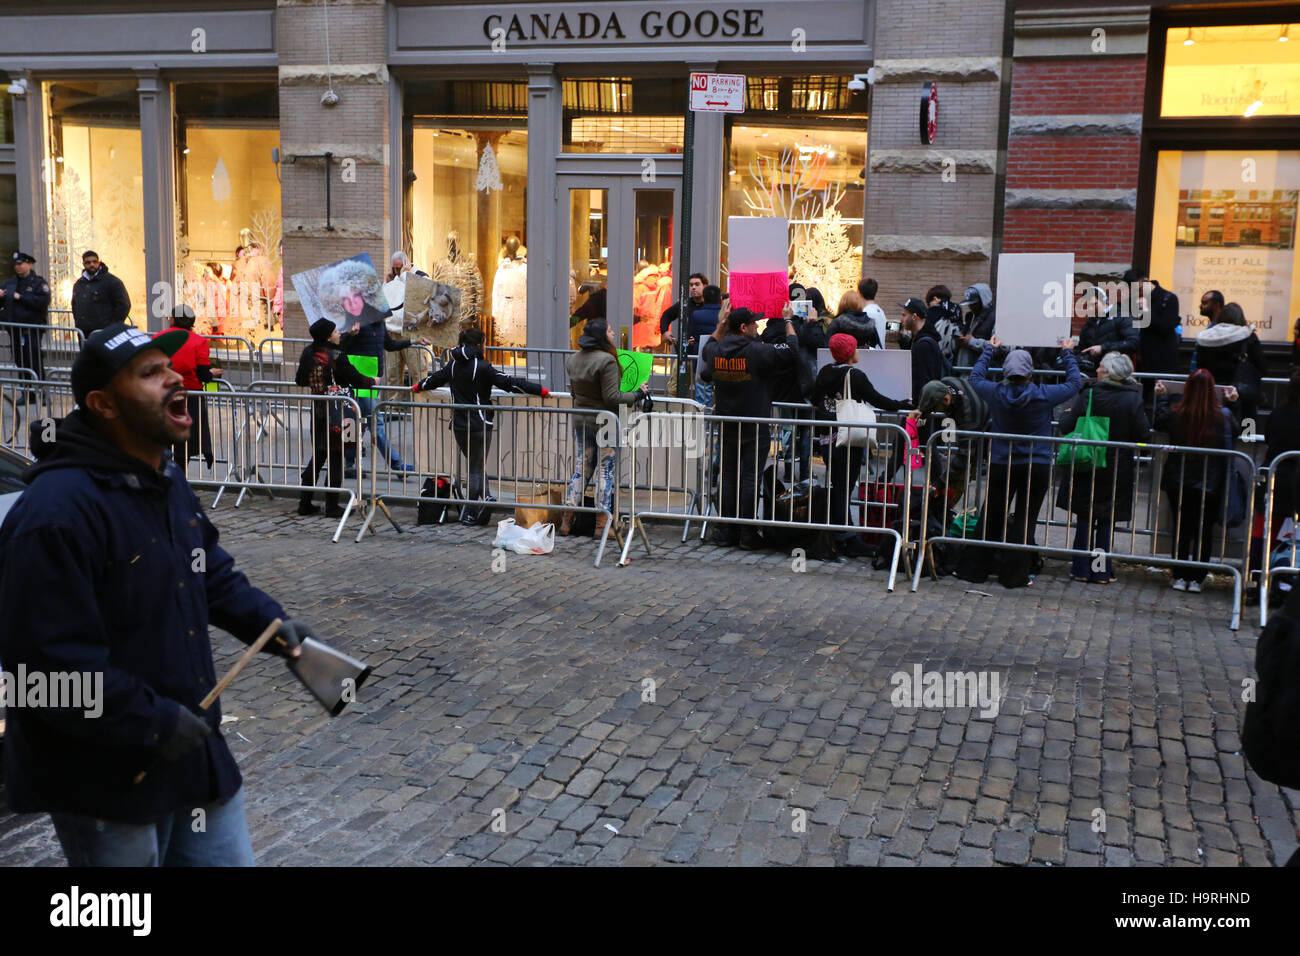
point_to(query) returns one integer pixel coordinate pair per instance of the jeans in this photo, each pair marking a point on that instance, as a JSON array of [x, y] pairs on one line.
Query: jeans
[[744, 455], [376, 422], [704, 393], [1196, 514], [590, 460], [1092, 533], [796, 441], [172, 841], [474, 445]]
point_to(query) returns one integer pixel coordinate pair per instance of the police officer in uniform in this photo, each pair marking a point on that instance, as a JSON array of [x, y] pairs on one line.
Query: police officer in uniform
[[25, 301]]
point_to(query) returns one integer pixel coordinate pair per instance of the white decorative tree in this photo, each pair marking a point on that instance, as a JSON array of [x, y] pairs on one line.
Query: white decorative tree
[[71, 230], [489, 176], [825, 259]]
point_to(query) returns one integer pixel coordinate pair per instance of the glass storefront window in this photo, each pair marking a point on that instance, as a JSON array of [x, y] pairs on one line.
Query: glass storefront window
[[228, 255], [624, 115], [466, 202], [813, 177], [94, 185], [1226, 220], [588, 258], [1245, 70], [652, 285]]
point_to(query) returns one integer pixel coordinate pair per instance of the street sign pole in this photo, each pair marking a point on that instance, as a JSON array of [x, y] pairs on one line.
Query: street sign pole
[[684, 257]]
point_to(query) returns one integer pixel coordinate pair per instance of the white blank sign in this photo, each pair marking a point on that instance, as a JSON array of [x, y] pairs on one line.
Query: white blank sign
[[758, 244], [1035, 297], [890, 370]]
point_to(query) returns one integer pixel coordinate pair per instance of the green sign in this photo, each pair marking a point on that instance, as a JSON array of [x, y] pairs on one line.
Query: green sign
[[366, 365], [636, 369]]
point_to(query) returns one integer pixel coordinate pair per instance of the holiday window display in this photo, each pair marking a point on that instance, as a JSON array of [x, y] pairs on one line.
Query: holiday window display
[[458, 269], [510, 296]]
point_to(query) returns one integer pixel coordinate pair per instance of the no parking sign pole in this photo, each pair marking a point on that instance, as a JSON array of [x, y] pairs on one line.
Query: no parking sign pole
[[709, 93]]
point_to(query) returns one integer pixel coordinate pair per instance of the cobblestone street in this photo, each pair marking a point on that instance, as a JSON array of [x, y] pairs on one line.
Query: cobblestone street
[[704, 706]]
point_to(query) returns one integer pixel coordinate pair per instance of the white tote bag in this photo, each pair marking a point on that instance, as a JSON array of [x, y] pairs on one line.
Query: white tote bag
[[852, 416]]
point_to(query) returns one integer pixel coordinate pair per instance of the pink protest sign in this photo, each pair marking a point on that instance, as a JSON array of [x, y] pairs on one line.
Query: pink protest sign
[[764, 293]]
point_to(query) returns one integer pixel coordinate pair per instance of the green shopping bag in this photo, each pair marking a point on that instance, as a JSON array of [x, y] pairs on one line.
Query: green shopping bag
[[1083, 457]]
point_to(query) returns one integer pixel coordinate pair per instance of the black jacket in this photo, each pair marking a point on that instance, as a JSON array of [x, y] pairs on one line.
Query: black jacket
[[472, 379], [1113, 334], [331, 367], [1220, 347], [927, 359], [99, 301], [97, 575], [829, 387], [1193, 471], [373, 338], [742, 371], [26, 300], [1081, 490], [1158, 340], [857, 324], [792, 383]]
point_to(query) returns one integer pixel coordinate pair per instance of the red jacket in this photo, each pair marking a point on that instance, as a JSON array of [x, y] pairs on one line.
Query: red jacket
[[189, 358]]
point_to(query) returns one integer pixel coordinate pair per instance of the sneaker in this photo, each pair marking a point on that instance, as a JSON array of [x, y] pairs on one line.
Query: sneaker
[[398, 465], [1181, 585], [1194, 587]]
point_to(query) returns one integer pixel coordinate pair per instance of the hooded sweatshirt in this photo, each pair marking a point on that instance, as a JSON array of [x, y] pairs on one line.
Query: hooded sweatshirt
[[1221, 346], [97, 576], [1023, 408], [979, 326], [472, 378], [744, 370], [928, 362]]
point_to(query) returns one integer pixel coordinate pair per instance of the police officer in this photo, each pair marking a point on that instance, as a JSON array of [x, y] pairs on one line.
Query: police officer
[[25, 301]]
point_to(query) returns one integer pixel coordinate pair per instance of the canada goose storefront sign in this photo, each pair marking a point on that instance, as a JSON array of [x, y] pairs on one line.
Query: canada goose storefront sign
[[653, 24]]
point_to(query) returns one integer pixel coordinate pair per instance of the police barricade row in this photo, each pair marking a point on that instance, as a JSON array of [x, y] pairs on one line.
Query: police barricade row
[[1198, 515], [1281, 551], [235, 356], [25, 402], [526, 458], [749, 478], [47, 351]]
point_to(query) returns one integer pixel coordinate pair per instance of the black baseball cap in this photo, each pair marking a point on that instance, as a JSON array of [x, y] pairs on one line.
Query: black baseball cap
[[914, 305], [107, 351]]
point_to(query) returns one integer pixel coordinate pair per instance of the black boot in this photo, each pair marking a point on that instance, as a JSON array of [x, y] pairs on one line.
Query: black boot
[[332, 509], [305, 507]]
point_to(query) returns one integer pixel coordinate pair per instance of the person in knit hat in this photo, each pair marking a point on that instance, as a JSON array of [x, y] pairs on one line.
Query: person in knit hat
[[842, 379]]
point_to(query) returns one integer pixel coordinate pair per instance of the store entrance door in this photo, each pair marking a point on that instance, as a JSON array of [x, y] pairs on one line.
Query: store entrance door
[[619, 233]]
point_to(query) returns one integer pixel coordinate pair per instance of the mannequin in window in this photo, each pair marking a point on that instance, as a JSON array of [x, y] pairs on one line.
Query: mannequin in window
[[510, 295], [460, 270]]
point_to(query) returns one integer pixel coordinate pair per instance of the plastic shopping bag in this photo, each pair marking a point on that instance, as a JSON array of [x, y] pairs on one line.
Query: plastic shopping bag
[[537, 539]]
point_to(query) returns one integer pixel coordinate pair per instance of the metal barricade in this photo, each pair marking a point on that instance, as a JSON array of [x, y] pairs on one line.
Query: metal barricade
[[746, 489], [277, 358], [51, 349], [544, 366], [25, 402], [528, 458], [1194, 489], [235, 355], [1273, 519]]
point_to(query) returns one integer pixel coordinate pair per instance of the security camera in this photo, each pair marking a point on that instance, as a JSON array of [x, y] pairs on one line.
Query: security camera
[[857, 84], [18, 87]]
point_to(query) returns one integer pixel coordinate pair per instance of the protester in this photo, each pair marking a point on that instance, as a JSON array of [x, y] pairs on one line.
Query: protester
[[1019, 471], [978, 327], [919, 335], [946, 320], [1212, 305], [791, 386], [1102, 497], [844, 462], [742, 369], [194, 363], [695, 284], [869, 289], [110, 518], [851, 319], [99, 298], [1103, 332], [1195, 486], [704, 319], [953, 398], [472, 378], [1160, 322], [1230, 350], [25, 300], [323, 366], [594, 379]]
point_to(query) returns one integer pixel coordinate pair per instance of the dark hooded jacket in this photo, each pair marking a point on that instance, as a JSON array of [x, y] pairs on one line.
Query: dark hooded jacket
[[373, 338], [1023, 408], [859, 325], [1112, 333], [1158, 339], [793, 383], [1091, 490], [928, 362], [743, 369], [979, 325], [472, 378], [321, 366], [99, 300], [97, 575], [1220, 347], [704, 320]]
